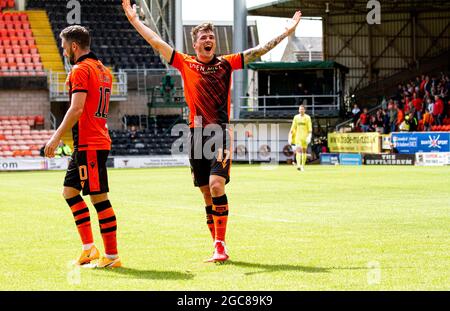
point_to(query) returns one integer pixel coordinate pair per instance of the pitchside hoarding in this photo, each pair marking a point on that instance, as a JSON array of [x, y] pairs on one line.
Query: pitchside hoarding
[[329, 158], [342, 159], [421, 142], [350, 159], [389, 159], [147, 162], [432, 158], [22, 164], [354, 142]]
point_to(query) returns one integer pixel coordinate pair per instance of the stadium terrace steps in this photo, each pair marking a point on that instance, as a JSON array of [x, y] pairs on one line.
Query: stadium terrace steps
[[45, 41]]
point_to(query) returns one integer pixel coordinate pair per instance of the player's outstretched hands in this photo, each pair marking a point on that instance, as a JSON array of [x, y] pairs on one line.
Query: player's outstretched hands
[[130, 12], [50, 147], [294, 22]]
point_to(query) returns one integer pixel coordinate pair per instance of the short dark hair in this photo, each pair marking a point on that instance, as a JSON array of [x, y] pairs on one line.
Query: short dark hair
[[77, 34], [202, 27]]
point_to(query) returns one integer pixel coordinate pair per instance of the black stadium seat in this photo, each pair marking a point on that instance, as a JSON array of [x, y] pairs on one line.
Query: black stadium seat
[[113, 38]]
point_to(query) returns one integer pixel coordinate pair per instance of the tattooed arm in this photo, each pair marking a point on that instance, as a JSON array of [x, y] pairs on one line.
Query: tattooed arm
[[251, 55]]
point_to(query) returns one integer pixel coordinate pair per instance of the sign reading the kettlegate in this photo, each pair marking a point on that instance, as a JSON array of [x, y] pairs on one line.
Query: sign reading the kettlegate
[[354, 142], [421, 142], [389, 159]]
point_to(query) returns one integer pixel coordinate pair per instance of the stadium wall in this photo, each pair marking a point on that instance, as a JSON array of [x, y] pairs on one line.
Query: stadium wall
[[25, 103]]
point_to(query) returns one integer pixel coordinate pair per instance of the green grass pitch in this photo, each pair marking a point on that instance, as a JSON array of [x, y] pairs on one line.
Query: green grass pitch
[[328, 228]]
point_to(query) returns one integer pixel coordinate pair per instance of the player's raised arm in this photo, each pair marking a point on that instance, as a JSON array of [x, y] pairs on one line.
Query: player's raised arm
[[253, 54], [149, 35]]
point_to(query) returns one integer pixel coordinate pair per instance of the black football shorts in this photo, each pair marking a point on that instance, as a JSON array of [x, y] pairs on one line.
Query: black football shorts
[[87, 172], [210, 155]]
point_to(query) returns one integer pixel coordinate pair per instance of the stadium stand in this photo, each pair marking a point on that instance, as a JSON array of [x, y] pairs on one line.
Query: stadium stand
[[156, 139], [126, 49], [425, 88], [7, 4], [45, 42], [19, 55], [19, 138]]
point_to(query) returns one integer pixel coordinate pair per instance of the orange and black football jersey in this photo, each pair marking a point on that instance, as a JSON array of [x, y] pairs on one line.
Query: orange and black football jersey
[[90, 76], [207, 86]]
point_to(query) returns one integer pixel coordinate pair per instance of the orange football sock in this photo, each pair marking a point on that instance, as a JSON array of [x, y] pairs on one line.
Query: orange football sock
[[210, 220], [220, 216], [82, 217], [108, 226]]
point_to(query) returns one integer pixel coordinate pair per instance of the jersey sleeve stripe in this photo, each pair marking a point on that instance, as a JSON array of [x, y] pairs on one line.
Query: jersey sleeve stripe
[[242, 60], [79, 91], [172, 57]]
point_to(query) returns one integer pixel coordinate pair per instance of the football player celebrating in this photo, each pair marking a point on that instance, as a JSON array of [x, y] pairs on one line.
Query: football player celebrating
[[207, 83]]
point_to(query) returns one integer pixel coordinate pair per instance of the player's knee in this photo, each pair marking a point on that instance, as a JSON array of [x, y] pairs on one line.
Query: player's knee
[[69, 193], [98, 198], [217, 188]]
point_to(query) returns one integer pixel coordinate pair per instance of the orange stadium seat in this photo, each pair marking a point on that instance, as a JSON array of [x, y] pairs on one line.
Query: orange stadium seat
[[18, 46]]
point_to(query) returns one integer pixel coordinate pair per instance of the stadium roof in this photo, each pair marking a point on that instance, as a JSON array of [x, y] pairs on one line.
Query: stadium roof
[[296, 65], [286, 8]]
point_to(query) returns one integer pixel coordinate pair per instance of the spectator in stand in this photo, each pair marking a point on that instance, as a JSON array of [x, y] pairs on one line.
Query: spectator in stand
[[412, 122], [400, 115], [355, 112], [363, 121], [133, 132], [386, 121], [372, 123], [418, 81], [408, 106], [429, 104], [400, 92], [448, 109], [393, 112], [427, 85], [438, 110], [417, 102], [384, 103], [404, 126], [427, 120], [379, 121]]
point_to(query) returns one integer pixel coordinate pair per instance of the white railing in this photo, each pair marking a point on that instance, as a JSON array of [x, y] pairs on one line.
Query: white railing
[[145, 77], [60, 92], [291, 102], [52, 121]]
